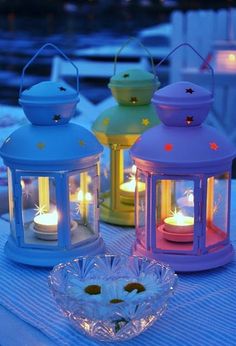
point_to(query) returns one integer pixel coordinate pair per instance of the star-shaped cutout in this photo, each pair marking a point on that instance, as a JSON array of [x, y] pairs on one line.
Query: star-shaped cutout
[[81, 143], [145, 121], [133, 99], [40, 145], [106, 121], [189, 120], [213, 146], [62, 88], [168, 147], [189, 91], [125, 75], [56, 118]]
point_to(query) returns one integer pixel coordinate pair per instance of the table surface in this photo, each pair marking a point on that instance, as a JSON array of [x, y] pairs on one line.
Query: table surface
[[202, 312]]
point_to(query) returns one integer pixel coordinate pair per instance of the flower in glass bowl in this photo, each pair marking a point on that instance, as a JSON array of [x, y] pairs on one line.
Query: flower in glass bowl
[[85, 290], [111, 297]]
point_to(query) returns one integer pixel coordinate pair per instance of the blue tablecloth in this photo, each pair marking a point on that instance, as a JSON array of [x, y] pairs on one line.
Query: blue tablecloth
[[202, 312]]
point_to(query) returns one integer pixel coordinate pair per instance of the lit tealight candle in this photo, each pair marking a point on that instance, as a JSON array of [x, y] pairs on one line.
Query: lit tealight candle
[[179, 223], [46, 222], [128, 188]]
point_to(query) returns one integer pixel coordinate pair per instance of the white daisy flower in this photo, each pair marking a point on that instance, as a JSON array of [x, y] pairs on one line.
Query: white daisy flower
[[88, 290], [146, 285]]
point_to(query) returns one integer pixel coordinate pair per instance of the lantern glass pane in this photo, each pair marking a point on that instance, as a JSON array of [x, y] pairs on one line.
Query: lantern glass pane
[[83, 194], [175, 215], [140, 210], [11, 204], [39, 210], [127, 179], [217, 209], [129, 167]]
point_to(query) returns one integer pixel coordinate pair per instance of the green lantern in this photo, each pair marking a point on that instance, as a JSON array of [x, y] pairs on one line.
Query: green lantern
[[117, 128]]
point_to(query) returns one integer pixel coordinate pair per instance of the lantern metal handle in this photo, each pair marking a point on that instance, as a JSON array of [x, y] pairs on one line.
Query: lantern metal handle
[[200, 56], [61, 53], [141, 45]]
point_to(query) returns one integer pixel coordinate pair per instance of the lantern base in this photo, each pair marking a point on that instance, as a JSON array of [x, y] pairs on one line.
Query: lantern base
[[123, 216], [50, 257], [190, 263]]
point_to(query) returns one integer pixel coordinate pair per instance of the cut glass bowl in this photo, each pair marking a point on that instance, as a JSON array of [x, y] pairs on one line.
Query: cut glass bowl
[[112, 298]]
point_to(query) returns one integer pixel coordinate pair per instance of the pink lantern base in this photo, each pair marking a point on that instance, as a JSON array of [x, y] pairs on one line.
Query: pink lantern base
[[191, 262], [182, 241]]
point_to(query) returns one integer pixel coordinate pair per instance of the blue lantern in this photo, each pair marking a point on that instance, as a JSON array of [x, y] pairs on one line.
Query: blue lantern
[[52, 178]]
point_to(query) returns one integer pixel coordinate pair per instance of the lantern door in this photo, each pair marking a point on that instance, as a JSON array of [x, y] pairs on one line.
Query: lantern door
[[36, 213], [83, 205], [217, 210], [174, 201]]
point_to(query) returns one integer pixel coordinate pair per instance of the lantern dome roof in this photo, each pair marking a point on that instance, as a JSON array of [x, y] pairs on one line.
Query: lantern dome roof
[[123, 125], [182, 104], [182, 141], [187, 148], [182, 93], [133, 87], [50, 145], [49, 103], [49, 92], [133, 78]]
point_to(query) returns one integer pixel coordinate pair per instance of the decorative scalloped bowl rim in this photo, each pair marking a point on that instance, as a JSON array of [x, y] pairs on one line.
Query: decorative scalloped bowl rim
[[171, 282]]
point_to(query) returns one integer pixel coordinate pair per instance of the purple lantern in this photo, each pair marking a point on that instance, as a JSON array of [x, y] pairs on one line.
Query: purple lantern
[[183, 216]]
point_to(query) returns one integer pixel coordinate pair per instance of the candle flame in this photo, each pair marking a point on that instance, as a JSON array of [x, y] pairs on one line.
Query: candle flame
[[178, 217]]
